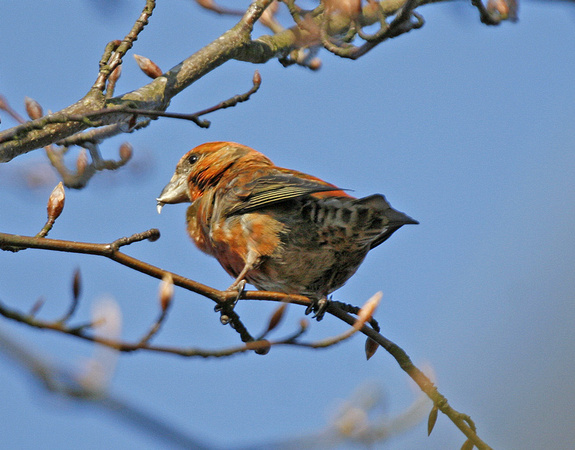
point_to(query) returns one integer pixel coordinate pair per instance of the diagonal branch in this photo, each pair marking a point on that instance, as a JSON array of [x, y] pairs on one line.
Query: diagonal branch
[[154, 96], [462, 421], [113, 252], [67, 383], [235, 43], [113, 59]]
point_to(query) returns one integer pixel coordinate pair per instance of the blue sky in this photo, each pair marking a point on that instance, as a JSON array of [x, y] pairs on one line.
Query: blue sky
[[467, 128]]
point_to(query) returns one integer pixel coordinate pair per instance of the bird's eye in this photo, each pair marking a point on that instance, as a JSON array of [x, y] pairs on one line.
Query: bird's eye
[[193, 158]]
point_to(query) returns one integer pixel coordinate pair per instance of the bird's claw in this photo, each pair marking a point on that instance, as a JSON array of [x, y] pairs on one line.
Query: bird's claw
[[225, 307], [318, 307]]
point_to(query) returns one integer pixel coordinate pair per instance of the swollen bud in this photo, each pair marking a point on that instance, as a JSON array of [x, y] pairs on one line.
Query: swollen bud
[[267, 19], [276, 317], [225, 319], [56, 202], [166, 292], [507, 9], [76, 285], [115, 75], [367, 310], [315, 64], [264, 349], [125, 152], [257, 78], [370, 347], [347, 8], [82, 161], [37, 306], [33, 108], [432, 419], [148, 66]]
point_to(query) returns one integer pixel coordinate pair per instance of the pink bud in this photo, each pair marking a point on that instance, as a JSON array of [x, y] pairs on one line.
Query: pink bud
[[82, 162], [125, 151], [347, 8], [147, 66], [257, 79], [166, 292], [33, 108], [56, 202], [116, 73], [315, 64]]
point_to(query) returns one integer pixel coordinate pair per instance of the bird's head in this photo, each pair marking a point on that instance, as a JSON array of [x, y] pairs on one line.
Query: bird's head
[[204, 166]]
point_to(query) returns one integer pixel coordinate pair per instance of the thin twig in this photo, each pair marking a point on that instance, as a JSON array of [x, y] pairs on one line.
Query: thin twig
[[462, 421], [5, 106], [112, 251], [76, 290], [261, 346], [107, 66], [97, 135], [92, 118], [233, 101], [401, 24], [67, 384], [210, 5]]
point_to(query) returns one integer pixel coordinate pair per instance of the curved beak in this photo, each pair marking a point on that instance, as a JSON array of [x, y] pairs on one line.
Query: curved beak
[[176, 191]]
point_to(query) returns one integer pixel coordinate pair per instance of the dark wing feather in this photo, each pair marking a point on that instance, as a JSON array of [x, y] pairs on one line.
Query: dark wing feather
[[269, 190]]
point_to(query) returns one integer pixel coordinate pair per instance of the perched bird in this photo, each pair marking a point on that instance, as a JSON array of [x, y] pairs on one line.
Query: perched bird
[[278, 229]]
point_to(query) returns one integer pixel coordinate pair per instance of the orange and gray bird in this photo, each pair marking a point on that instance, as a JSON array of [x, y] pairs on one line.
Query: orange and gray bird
[[278, 229]]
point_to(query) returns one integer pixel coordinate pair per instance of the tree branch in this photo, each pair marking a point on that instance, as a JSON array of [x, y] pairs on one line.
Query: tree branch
[[8, 241], [154, 96], [235, 43]]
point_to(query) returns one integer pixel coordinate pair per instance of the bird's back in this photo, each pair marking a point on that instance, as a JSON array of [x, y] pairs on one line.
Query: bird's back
[[324, 240]]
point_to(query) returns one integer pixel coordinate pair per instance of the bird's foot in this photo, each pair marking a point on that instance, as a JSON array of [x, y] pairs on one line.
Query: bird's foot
[[318, 307], [224, 308]]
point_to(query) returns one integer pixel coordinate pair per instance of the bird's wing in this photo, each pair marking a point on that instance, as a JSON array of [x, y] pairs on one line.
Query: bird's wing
[[271, 189]]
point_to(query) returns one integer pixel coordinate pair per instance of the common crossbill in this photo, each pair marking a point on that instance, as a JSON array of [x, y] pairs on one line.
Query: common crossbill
[[278, 229]]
